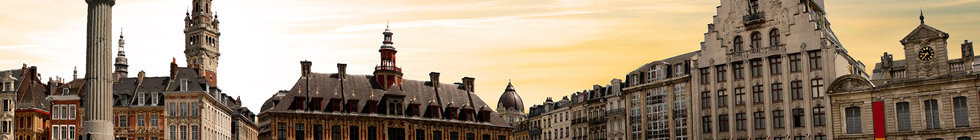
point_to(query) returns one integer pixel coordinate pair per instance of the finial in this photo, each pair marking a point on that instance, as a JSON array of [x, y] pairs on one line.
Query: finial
[[922, 17], [120, 32], [508, 81], [387, 22]]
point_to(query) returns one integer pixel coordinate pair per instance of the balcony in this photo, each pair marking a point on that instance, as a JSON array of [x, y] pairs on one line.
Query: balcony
[[393, 68], [616, 112], [579, 120], [535, 131], [756, 52], [597, 121], [754, 18]]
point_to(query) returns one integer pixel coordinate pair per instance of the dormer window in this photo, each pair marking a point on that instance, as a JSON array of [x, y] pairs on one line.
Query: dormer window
[[395, 107], [183, 84], [154, 98], [8, 86], [753, 6], [141, 98], [64, 91]]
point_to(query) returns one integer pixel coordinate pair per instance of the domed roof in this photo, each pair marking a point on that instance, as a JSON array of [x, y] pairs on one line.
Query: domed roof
[[510, 100]]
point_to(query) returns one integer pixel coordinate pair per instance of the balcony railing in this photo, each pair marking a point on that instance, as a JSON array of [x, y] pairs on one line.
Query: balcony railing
[[377, 68], [616, 112], [579, 120], [756, 52], [597, 121], [754, 18]]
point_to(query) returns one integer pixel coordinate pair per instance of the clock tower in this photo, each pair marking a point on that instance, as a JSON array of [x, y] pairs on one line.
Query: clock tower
[[201, 40], [926, 53]]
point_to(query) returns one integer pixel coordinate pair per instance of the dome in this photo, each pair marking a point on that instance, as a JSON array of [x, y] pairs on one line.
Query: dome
[[510, 100]]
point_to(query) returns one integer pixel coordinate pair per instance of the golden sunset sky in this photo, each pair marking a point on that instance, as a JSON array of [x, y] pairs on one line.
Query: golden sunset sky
[[549, 48]]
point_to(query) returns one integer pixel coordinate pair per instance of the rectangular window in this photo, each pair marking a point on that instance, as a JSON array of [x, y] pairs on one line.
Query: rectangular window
[[740, 121], [141, 98], [419, 134], [853, 119], [705, 99], [961, 112], [173, 109], [195, 133], [796, 90], [299, 132], [453, 136], [71, 132], [722, 123], [372, 133], [183, 84], [123, 121], [706, 124], [816, 88], [903, 116], [281, 131], [154, 120], [739, 96], [71, 112], [757, 97], [470, 136], [720, 74], [355, 133], [722, 98], [814, 60], [140, 120], [818, 117], [705, 76], [794, 62], [183, 132], [436, 135], [55, 132], [798, 117], [57, 112], [173, 132], [777, 119], [777, 92], [317, 132], [183, 109], [756, 67], [774, 67], [335, 133], [154, 98], [194, 109], [932, 114], [738, 71], [760, 120]]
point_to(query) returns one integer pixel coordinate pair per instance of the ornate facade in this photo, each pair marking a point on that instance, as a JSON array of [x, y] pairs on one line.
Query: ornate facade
[[201, 40], [341, 106], [31, 109], [762, 71], [925, 96], [511, 106], [8, 96]]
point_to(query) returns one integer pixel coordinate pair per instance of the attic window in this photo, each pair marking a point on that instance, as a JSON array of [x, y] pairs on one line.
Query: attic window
[[183, 84], [8, 86], [64, 91], [154, 98], [395, 107], [142, 98]]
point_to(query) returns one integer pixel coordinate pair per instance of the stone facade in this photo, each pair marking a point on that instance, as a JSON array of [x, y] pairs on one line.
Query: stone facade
[[201, 40], [8, 97], [762, 70], [924, 96], [657, 95]]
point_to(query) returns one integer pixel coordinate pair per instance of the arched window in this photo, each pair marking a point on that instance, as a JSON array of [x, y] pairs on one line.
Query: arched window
[[756, 40], [737, 46], [963, 138], [774, 38]]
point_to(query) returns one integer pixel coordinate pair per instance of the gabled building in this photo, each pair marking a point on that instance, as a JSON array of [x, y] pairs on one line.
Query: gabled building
[[31, 109], [8, 97]]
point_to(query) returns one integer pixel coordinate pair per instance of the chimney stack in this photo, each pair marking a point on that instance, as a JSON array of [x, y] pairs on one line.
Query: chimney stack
[[967, 48], [434, 79], [173, 69], [305, 67], [468, 83], [140, 77], [342, 71]]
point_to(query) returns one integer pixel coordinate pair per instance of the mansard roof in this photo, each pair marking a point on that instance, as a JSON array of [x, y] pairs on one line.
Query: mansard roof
[[362, 88]]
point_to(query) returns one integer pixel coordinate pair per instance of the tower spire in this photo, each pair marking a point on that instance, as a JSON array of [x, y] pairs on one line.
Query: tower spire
[[122, 63]]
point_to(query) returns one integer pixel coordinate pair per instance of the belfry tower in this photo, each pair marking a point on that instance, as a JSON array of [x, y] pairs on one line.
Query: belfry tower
[[201, 40], [388, 74], [98, 71], [122, 65]]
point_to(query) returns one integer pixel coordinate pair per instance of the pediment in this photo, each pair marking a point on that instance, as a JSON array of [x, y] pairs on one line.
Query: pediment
[[850, 82], [923, 31]]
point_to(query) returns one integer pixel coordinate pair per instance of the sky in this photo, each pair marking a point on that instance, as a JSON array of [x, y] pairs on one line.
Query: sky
[[547, 48]]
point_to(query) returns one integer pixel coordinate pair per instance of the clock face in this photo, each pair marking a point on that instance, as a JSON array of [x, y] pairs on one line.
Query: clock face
[[926, 54]]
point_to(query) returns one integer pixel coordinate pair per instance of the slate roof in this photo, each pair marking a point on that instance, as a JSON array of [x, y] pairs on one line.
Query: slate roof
[[31, 93], [362, 88]]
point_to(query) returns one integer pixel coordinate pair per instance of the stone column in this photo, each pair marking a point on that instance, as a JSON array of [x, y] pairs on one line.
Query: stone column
[[98, 67]]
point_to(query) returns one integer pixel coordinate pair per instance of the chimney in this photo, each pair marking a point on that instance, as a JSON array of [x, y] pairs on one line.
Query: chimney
[[468, 83], [434, 79], [305, 67], [341, 71], [967, 48], [173, 69], [140, 77]]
